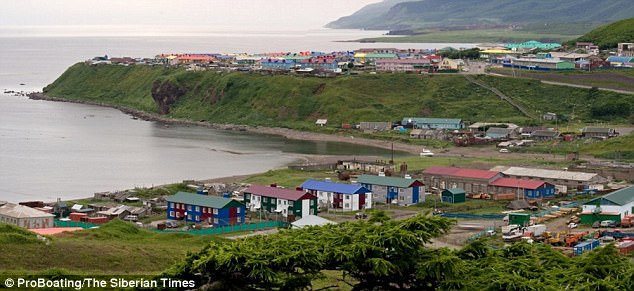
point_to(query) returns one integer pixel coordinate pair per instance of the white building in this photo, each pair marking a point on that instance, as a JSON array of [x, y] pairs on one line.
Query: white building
[[348, 197], [612, 206], [24, 216]]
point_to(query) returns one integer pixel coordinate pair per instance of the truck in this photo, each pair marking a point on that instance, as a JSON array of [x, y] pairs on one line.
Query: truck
[[537, 230], [627, 221], [582, 247], [512, 232]]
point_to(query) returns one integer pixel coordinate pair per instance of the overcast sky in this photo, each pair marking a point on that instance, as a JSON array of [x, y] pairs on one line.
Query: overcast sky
[[261, 14]]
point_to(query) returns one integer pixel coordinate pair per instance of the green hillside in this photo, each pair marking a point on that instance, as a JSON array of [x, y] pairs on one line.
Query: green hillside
[[534, 14], [296, 102], [608, 36]]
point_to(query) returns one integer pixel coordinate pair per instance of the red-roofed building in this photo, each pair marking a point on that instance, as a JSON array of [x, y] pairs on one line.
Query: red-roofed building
[[532, 189], [289, 203], [471, 180]]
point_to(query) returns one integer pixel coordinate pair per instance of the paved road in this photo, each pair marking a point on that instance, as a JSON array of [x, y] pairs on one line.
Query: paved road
[[570, 85]]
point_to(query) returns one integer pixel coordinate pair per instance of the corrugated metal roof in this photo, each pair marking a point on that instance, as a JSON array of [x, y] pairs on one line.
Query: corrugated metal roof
[[589, 129], [517, 183], [200, 200], [619, 197], [334, 187], [275, 192], [388, 181], [460, 172], [424, 120], [549, 174], [21, 211], [455, 191]]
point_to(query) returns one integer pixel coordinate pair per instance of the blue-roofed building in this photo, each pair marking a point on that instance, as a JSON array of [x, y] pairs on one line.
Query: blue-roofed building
[[620, 60], [433, 123], [348, 197]]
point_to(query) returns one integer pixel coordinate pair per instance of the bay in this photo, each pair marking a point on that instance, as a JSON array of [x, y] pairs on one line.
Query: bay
[[52, 150]]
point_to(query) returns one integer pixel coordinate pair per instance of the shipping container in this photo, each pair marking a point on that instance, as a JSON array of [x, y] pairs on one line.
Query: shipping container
[[522, 219], [77, 216], [585, 246], [97, 220], [626, 247]]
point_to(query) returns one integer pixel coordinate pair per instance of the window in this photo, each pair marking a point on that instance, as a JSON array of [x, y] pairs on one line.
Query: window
[[171, 213], [347, 205], [204, 209], [265, 199], [238, 210], [284, 202], [189, 208], [215, 211], [247, 195], [215, 220], [401, 198], [189, 217], [239, 219], [197, 218], [346, 197], [401, 190], [312, 202], [290, 203], [171, 204], [197, 208]]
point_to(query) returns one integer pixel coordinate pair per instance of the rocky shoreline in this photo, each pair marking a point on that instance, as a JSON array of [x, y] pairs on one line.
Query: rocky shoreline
[[285, 132]]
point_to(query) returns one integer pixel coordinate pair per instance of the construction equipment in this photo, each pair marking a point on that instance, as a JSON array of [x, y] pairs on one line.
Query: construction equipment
[[512, 232], [555, 239], [573, 238]]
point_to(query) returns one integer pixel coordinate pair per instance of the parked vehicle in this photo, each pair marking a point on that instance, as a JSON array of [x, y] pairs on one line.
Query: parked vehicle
[[572, 225], [426, 153], [504, 150], [596, 224], [608, 223], [627, 221]]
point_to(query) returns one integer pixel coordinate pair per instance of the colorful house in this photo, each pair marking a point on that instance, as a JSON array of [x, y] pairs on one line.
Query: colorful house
[[537, 64], [287, 202], [530, 189], [348, 197], [277, 64], [389, 189], [402, 65], [612, 206], [197, 208]]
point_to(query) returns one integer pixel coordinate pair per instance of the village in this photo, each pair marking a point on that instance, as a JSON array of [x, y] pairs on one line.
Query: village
[[530, 55], [576, 208], [570, 209]]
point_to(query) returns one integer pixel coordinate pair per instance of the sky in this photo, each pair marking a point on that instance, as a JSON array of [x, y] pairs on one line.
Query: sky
[[156, 14]]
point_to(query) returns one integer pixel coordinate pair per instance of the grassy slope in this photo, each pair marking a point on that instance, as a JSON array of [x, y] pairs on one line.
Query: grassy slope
[[608, 36], [115, 248], [293, 101], [622, 79]]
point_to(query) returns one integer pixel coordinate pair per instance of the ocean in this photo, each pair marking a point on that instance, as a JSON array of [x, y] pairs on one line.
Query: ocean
[[51, 150]]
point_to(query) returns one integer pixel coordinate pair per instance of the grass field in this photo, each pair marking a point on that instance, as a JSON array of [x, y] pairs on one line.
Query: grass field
[[115, 248]]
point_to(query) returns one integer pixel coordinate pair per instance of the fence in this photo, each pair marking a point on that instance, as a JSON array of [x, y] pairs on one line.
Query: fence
[[473, 216], [232, 228], [70, 223], [480, 234]]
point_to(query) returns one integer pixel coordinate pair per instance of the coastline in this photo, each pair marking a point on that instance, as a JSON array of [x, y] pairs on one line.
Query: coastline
[[284, 132]]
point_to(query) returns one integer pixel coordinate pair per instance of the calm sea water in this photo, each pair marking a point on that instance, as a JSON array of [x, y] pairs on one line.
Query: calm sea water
[[50, 150]]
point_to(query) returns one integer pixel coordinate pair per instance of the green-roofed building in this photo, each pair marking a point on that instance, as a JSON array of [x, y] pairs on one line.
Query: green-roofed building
[[393, 189], [533, 44], [198, 208], [453, 195], [433, 123], [612, 206]]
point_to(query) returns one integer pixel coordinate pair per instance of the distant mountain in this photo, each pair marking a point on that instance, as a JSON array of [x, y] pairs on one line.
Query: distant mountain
[[608, 36], [483, 13], [360, 18]]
